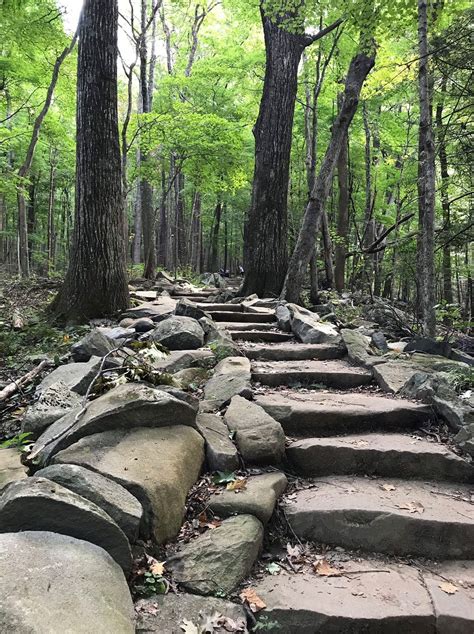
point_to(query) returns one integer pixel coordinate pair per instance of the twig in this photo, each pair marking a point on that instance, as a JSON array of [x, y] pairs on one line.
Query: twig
[[16, 386]]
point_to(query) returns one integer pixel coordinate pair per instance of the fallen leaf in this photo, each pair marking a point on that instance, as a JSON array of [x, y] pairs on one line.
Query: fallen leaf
[[255, 602], [237, 485], [273, 568], [412, 507], [157, 567], [293, 551], [323, 569], [188, 627], [388, 487], [222, 477], [447, 587]]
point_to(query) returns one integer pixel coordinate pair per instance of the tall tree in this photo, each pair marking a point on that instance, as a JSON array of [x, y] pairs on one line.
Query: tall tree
[[426, 182], [359, 68], [96, 279], [265, 240]]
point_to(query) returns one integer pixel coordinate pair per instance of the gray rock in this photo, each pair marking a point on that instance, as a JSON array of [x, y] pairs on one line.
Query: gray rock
[[11, 468], [110, 496], [143, 325], [258, 498], [126, 406], [283, 317], [186, 308], [191, 377], [231, 377], [221, 453], [179, 333], [53, 402], [55, 583], [259, 437], [158, 466], [158, 310], [429, 346], [167, 613], [218, 560], [379, 341], [181, 359], [94, 344], [358, 349], [309, 329], [181, 395], [76, 376], [38, 504], [118, 334]]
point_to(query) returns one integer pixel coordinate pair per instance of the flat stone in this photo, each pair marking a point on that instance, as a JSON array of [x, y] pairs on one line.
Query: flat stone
[[76, 376], [162, 308], [51, 583], [167, 613], [231, 377], [337, 374], [429, 519], [392, 376], [271, 336], [454, 612], [258, 436], [114, 499], [321, 413], [253, 318], [386, 455], [186, 308], [11, 468], [258, 498], [181, 359], [126, 406], [234, 326], [118, 334], [157, 465], [386, 598], [234, 308], [221, 453], [379, 341], [94, 344], [218, 560], [358, 349], [191, 377], [309, 329], [38, 504], [178, 333], [53, 403], [293, 351], [146, 295]]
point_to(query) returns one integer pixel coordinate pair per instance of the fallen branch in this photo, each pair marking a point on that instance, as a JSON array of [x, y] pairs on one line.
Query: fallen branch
[[16, 386]]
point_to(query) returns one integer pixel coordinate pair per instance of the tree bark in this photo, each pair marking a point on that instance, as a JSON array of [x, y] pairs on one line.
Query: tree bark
[[342, 217], [96, 279], [426, 183], [214, 246], [359, 68], [265, 236]]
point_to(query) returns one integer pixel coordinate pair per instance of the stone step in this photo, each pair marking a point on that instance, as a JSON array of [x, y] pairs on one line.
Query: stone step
[[233, 325], [271, 336], [387, 455], [294, 352], [391, 516], [222, 308], [193, 297], [337, 374], [260, 318], [321, 413], [384, 598]]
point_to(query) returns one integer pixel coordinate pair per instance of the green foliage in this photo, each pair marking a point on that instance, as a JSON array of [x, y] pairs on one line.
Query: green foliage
[[224, 477], [153, 584], [19, 441], [461, 379]]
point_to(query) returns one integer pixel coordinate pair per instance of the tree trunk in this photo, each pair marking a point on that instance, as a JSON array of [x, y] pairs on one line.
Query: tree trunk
[[96, 280], [265, 237], [31, 216], [50, 240], [426, 183], [359, 68], [342, 218], [214, 246], [163, 224]]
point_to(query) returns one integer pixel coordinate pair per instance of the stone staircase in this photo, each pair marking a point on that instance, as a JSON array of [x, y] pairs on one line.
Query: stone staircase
[[400, 505]]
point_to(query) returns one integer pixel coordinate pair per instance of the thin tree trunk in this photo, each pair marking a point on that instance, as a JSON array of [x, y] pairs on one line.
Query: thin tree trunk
[[214, 246], [426, 183], [342, 217], [50, 241], [96, 280], [359, 68]]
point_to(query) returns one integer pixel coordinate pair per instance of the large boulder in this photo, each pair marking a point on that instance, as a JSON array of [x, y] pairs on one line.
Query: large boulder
[[75, 376], [94, 344], [283, 317], [221, 453], [171, 612], [38, 504], [217, 561], [257, 498], [157, 465], [231, 377], [55, 583], [178, 333], [114, 499], [358, 348], [309, 329], [11, 468], [259, 437], [53, 403], [126, 406]]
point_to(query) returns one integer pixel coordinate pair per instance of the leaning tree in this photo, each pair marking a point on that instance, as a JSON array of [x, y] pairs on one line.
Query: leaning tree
[[265, 239], [96, 279]]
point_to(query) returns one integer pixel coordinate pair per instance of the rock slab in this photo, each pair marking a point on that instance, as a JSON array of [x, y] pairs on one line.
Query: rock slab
[[51, 583], [231, 377], [76, 376], [218, 560], [221, 453], [178, 333]]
